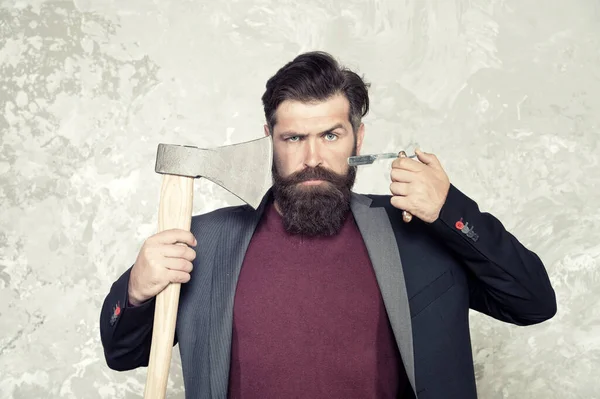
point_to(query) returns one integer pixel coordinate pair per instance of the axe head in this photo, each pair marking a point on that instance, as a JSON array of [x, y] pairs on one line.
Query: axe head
[[243, 169]]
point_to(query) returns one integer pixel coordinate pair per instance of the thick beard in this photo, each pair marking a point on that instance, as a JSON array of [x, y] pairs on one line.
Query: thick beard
[[318, 210]]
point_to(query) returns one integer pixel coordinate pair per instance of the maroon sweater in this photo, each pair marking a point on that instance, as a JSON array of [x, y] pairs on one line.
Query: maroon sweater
[[309, 320]]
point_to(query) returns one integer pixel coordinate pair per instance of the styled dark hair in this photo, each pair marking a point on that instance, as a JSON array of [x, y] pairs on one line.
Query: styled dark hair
[[316, 76]]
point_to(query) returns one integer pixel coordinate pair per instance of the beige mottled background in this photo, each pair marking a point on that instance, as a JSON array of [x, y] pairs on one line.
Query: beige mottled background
[[505, 92]]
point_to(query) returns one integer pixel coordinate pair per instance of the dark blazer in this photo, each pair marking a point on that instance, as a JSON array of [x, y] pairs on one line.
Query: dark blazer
[[430, 275]]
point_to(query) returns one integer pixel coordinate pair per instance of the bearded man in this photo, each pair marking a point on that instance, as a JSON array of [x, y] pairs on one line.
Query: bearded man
[[322, 292]]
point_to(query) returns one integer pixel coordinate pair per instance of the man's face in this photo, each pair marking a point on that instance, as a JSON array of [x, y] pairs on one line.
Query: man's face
[[311, 135], [312, 179]]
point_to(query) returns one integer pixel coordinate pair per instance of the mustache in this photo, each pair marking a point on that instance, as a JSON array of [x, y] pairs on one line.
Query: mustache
[[316, 173]]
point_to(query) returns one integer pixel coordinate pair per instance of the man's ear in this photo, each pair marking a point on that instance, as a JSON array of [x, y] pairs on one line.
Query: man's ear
[[266, 127], [360, 135]]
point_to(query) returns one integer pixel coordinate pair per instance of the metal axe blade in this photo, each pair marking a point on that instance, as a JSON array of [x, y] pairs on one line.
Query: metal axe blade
[[243, 169]]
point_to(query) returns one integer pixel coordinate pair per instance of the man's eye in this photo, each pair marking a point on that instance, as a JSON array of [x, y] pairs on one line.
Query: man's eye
[[330, 136], [293, 138]]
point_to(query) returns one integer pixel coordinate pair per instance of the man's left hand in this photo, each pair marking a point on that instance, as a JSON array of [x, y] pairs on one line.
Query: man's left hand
[[419, 187]]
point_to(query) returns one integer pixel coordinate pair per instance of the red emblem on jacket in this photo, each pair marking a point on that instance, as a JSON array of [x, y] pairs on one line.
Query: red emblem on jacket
[[115, 314]]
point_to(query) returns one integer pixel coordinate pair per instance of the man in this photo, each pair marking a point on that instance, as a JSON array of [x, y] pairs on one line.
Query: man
[[322, 292]]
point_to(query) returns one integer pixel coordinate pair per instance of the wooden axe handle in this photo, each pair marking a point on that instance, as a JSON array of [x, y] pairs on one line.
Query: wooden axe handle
[[175, 212]]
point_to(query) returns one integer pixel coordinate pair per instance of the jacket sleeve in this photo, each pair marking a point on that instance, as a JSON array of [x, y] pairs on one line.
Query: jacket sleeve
[[125, 330], [506, 280]]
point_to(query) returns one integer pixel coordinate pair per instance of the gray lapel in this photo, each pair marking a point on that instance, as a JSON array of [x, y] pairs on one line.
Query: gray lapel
[[236, 234], [377, 233]]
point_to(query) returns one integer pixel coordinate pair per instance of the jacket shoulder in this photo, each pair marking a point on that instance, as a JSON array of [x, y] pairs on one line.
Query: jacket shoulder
[[214, 220], [394, 214], [382, 201], [220, 213], [379, 200]]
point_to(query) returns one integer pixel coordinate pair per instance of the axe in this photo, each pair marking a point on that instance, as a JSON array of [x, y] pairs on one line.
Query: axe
[[243, 169]]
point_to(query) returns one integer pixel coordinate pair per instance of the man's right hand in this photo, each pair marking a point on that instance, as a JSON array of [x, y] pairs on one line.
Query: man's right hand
[[162, 260]]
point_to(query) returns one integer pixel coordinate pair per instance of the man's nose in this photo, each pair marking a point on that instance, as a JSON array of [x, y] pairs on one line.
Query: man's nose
[[312, 158]]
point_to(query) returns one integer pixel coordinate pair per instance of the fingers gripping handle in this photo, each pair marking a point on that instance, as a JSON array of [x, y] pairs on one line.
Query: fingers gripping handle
[[406, 216], [175, 211]]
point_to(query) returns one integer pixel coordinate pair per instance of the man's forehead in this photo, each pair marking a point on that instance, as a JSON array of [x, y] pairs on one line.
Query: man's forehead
[[296, 115]]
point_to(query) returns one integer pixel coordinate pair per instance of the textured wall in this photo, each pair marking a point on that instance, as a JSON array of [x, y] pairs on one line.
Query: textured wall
[[505, 92]]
